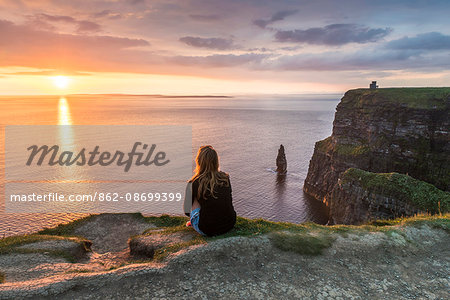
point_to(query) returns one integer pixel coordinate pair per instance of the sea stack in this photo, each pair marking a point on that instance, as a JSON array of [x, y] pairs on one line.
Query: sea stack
[[281, 161]]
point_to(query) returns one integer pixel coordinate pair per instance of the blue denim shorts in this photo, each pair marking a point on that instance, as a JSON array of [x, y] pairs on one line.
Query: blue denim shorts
[[195, 218]]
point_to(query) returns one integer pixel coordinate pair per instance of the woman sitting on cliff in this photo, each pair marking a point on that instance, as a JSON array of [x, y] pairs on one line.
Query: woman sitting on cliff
[[212, 208]]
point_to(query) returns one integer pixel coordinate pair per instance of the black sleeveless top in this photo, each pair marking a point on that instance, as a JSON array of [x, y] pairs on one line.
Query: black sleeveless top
[[217, 215]]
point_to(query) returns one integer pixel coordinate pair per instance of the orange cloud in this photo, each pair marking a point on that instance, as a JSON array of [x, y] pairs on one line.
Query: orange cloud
[[22, 45]]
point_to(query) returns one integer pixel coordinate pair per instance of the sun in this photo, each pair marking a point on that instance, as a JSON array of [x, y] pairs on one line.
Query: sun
[[61, 81]]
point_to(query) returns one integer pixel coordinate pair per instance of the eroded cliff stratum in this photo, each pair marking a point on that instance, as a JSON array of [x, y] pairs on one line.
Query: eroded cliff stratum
[[403, 130]]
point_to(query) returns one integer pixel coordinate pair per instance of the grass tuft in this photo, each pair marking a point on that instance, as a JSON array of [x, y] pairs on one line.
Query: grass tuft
[[66, 229], [326, 146], [10, 245], [351, 150], [249, 227], [167, 221], [164, 252], [302, 243]]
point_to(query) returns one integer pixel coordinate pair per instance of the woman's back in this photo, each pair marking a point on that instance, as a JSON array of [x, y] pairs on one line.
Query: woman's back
[[217, 215]]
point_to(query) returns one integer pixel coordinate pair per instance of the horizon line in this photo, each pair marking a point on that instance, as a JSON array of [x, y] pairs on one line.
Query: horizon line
[[174, 95]]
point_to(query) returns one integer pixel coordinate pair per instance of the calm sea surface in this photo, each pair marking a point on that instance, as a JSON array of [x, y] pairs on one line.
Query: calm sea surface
[[246, 131]]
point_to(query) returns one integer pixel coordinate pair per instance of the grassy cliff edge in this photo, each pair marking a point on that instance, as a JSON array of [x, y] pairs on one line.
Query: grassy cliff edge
[[305, 238]]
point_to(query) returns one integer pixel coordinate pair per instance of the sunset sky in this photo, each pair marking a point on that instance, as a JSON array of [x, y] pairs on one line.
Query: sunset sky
[[221, 47]]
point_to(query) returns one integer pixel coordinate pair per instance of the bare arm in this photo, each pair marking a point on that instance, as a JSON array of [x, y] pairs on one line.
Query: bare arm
[[189, 203], [195, 204]]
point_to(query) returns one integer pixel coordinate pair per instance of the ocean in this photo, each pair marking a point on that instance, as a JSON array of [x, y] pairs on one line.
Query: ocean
[[245, 130]]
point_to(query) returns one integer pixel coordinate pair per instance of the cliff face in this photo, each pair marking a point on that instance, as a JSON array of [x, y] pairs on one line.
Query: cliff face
[[361, 196], [404, 130]]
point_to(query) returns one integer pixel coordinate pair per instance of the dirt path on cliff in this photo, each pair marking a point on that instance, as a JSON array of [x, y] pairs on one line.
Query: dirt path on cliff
[[376, 265]]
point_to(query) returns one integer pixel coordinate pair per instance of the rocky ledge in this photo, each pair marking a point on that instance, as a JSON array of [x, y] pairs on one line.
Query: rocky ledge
[[258, 259], [402, 130]]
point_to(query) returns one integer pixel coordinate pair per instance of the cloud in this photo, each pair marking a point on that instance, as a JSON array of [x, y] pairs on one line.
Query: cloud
[[107, 14], [278, 16], [210, 43], [218, 60], [375, 59], [424, 41], [56, 18], [275, 49], [84, 26], [42, 21], [136, 2], [23, 45], [205, 18], [50, 73], [333, 35]]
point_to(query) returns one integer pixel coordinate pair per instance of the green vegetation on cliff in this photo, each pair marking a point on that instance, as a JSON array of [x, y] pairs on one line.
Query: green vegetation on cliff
[[351, 150], [420, 98], [11, 244], [436, 221], [326, 145], [66, 229], [422, 195]]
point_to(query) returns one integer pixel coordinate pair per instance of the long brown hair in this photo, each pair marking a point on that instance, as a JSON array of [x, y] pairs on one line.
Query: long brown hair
[[207, 171]]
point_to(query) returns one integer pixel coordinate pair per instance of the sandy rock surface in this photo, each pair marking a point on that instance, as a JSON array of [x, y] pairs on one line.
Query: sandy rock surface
[[110, 232]]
